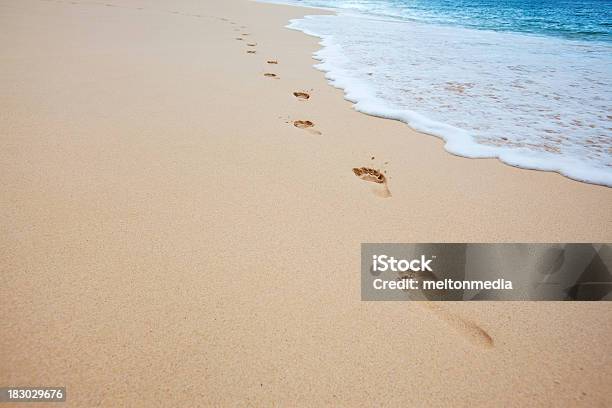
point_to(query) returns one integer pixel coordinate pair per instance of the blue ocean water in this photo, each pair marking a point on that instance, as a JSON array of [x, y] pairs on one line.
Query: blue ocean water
[[528, 82], [572, 19]]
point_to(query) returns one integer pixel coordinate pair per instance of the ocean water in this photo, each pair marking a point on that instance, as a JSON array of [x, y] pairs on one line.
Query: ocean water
[[528, 82]]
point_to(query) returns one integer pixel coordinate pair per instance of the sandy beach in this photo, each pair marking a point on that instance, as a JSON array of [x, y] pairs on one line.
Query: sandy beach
[[169, 237]]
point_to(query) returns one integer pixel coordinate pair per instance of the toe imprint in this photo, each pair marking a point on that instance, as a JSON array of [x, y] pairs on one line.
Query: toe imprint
[[272, 62], [270, 75]]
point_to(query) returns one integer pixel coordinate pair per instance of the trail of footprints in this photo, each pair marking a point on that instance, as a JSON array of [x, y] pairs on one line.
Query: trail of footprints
[[379, 181], [365, 173], [468, 329]]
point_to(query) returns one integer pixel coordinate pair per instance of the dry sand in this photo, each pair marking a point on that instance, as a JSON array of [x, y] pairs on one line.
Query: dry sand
[[169, 237]]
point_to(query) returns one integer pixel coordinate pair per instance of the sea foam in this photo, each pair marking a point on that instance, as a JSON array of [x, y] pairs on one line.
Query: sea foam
[[532, 101]]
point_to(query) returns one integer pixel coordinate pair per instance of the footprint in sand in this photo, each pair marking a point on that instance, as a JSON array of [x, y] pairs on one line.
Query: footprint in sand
[[370, 174], [270, 75], [466, 328], [374, 176], [251, 44], [274, 62], [306, 125], [301, 95], [303, 124], [469, 330], [239, 39], [251, 51]]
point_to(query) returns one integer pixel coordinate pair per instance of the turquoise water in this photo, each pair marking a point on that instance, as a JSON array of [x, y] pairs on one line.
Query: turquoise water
[[527, 82], [572, 19]]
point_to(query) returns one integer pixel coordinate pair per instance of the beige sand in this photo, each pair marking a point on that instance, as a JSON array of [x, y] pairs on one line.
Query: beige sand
[[169, 237]]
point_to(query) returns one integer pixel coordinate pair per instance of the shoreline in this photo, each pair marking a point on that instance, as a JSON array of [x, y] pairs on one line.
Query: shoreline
[[457, 141], [165, 222]]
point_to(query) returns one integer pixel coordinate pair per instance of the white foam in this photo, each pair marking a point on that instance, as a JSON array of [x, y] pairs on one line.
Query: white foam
[[533, 102]]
